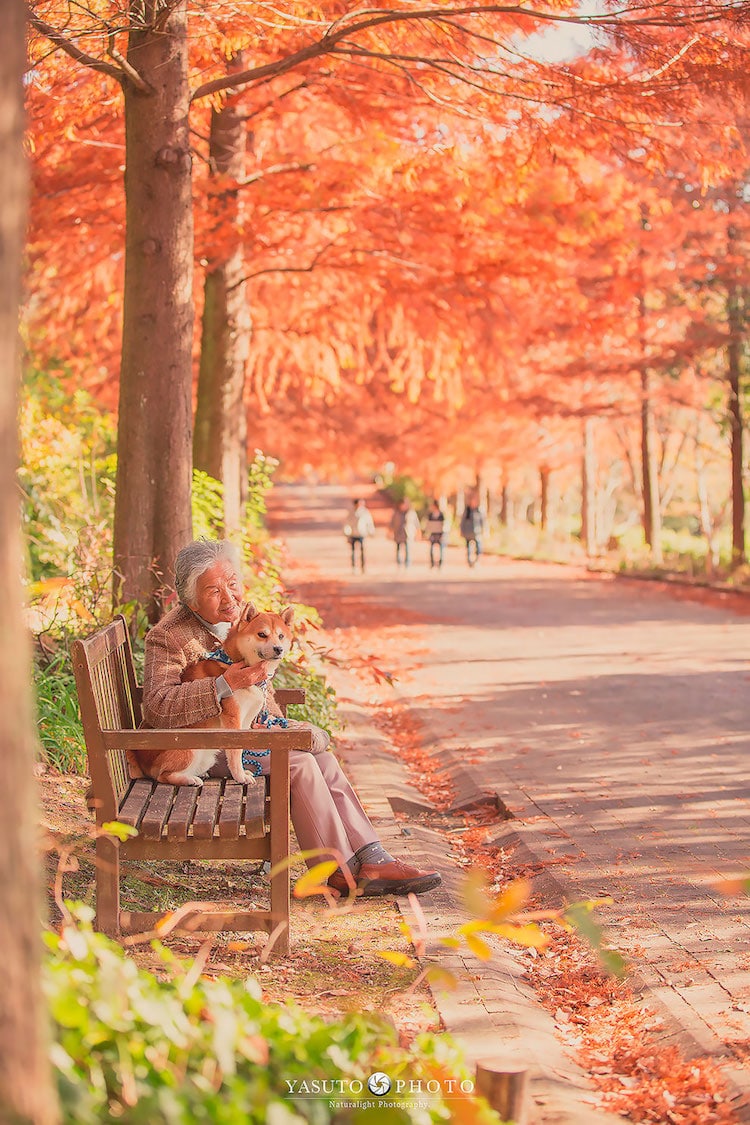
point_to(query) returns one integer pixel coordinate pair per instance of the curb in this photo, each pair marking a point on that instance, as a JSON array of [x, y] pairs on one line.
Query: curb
[[665, 1001]]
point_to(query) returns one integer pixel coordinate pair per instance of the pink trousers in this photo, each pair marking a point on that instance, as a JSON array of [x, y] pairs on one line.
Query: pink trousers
[[326, 812]]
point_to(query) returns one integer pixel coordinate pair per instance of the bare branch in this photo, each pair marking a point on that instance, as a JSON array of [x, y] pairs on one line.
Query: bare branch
[[339, 31], [69, 48], [128, 70], [273, 170], [284, 269]]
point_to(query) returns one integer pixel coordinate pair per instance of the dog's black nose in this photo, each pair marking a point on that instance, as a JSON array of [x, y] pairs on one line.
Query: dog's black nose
[[277, 650]]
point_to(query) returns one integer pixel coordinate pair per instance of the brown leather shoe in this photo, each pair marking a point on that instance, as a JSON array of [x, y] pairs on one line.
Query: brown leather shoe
[[391, 878]]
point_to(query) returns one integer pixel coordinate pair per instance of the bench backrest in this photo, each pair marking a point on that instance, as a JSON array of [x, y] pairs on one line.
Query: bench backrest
[[109, 699]]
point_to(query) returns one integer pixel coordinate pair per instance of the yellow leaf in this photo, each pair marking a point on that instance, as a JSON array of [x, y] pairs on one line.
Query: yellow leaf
[[121, 831], [475, 926], [474, 893], [312, 882], [451, 942], [397, 958], [478, 947], [522, 935], [441, 978], [510, 901]]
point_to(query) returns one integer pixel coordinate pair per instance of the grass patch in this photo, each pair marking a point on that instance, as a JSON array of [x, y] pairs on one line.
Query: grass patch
[[59, 723]]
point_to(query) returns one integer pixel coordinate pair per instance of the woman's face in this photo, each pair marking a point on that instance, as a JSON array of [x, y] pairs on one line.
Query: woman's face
[[218, 594]]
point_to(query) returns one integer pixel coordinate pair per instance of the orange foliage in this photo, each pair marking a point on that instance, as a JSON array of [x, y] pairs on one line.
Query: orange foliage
[[436, 259]]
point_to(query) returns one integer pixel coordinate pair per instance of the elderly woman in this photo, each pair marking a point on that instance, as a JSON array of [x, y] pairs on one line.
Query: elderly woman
[[326, 812]]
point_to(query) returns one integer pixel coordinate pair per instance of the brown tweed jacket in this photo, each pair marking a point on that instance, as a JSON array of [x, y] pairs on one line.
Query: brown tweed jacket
[[177, 640], [180, 639]]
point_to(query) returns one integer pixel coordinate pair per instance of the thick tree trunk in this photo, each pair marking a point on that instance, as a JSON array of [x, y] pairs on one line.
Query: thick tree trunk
[[588, 486], [220, 442], [26, 1091], [650, 472], [152, 511], [734, 353]]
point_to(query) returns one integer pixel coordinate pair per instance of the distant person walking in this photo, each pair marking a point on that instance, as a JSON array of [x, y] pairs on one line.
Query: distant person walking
[[358, 527], [472, 527], [405, 529], [436, 529]]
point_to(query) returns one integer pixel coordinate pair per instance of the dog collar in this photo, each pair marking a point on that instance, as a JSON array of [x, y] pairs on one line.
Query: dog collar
[[220, 655]]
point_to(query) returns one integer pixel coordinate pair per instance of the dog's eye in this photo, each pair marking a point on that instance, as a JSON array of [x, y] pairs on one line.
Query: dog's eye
[[263, 636]]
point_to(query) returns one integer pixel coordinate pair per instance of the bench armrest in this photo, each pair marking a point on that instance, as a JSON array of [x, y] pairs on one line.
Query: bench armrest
[[286, 696], [207, 739]]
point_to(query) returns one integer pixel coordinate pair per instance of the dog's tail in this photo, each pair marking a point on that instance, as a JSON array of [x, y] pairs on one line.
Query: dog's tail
[[135, 769]]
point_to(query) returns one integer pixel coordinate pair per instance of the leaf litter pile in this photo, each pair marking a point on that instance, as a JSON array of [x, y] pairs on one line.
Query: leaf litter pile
[[609, 1032]]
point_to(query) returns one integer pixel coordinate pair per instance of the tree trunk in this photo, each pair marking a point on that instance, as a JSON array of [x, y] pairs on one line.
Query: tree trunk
[[152, 508], [649, 461], [734, 354], [705, 515], [544, 498], [26, 1090], [650, 472], [588, 485], [220, 442], [503, 514]]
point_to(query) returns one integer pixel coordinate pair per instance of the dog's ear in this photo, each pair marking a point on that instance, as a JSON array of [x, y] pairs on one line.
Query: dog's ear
[[248, 611], [287, 615]]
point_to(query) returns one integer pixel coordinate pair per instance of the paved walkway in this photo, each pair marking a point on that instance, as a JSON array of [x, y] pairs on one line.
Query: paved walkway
[[612, 721]]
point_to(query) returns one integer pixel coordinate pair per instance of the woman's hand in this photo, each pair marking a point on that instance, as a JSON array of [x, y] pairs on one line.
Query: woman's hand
[[240, 675]]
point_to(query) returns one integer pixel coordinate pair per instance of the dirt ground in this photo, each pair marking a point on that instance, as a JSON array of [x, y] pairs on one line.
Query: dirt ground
[[334, 965]]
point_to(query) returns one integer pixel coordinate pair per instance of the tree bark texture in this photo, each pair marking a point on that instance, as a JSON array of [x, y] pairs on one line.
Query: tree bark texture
[[734, 354], [220, 441], [154, 469], [26, 1091]]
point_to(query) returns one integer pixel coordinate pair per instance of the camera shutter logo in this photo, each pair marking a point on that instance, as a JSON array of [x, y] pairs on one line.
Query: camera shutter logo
[[378, 1083]]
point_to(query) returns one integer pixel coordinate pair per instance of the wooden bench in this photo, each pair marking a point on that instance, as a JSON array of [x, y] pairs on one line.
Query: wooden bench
[[222, 821]]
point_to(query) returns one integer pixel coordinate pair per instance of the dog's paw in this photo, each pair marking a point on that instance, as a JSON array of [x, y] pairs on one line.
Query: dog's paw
[[249, 778], [193, 779]]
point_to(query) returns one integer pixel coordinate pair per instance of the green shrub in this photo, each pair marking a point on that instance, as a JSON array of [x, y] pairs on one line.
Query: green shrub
[[132, 1048], [207, 502], [320, 698], [406, 488]]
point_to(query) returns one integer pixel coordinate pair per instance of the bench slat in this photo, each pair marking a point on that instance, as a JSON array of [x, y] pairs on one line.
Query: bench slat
[[231, 811], [181, 816], [255, 809], [134, 804], [207, 809], [157, 812]]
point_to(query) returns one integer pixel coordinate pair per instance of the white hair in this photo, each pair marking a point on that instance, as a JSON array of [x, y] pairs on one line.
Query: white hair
[[198, 557]]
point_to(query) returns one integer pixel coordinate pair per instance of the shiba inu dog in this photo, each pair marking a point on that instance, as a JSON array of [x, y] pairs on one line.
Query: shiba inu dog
[[255, 638]]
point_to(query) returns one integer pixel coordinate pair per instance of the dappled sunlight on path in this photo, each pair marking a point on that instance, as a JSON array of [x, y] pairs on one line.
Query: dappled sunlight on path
[[611, 719]]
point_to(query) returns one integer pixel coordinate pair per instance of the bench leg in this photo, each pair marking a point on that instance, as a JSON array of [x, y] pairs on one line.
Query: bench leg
[[280, 897], [107, 887]]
